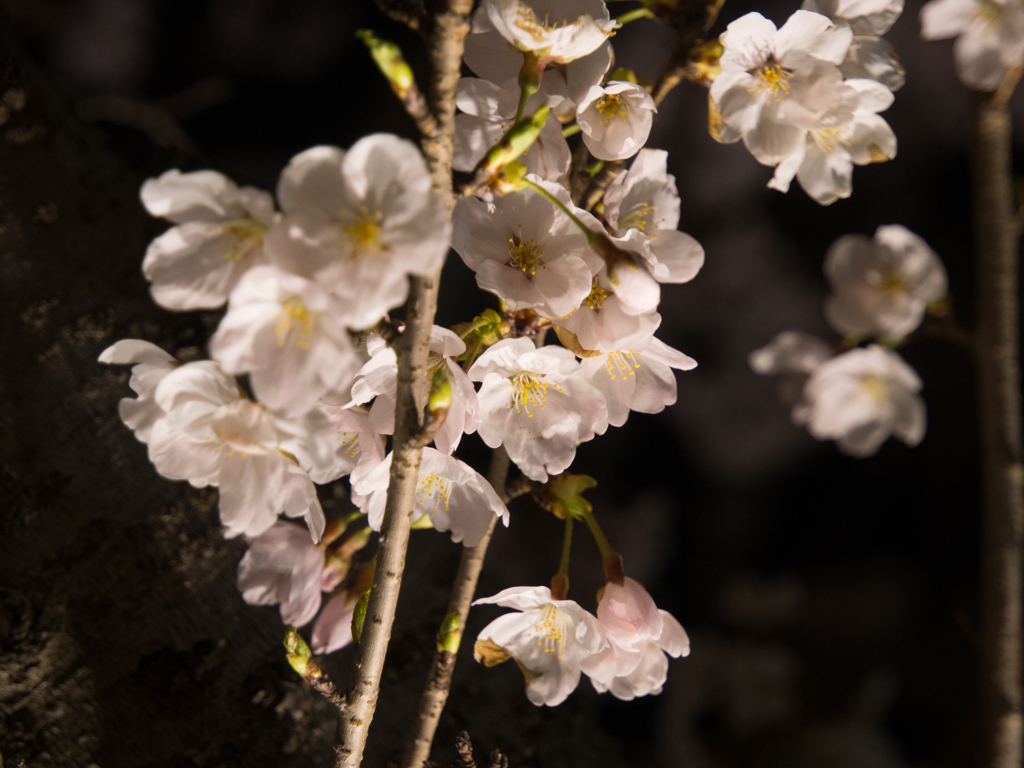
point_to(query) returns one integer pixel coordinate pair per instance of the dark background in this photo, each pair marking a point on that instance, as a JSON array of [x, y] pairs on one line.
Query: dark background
[[830, 601]]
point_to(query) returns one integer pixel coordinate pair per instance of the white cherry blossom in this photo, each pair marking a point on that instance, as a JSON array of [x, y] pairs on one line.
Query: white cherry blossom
[[359, 222], [524, 249], [638, 379], [333, 628], [601, 323], [282, 565], [863, 396], [823, 162], [989, 37], [219, 235], [456, 497], [777, 83], [870, 56], [882, 285], [538, 404], [289, 334], [562, 85], [488, 111], [639, 637], [378, 381], [616, 119], [645, 198], [556, 31], [150, 365], [212, 435], [793, 356], [549, 640]]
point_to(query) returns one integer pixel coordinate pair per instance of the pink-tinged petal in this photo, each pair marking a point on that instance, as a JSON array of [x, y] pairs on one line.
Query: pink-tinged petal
[[333, 629], [673, 639]]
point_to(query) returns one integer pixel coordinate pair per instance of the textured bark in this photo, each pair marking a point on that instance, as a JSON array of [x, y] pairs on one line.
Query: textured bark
[[449, 26], [996, 255], [439, 682]]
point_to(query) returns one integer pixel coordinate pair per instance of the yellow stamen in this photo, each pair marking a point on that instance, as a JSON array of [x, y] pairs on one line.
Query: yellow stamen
[[530, 390], [595, 299], [365, 229], [294, 320], [623, 362], [242, 237], [525, 255], [772, 80], [611, 107]]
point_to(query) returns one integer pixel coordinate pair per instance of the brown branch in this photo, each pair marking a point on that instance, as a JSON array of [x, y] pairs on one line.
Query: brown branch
[[435, 694], [448, 28], [1002, 457]]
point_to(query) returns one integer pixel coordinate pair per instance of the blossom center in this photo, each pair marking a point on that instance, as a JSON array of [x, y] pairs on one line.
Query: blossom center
[[294, 321], [365, 229], [990, 12], [830, 139], [242, 237], [612, 106], [874, 387], [595, 299], [772, 80], [526, 21], [525, 255], [530, 390], [241, 428], [435, 489], [623, 362], [550, 630], [641, 216], [892, 285]]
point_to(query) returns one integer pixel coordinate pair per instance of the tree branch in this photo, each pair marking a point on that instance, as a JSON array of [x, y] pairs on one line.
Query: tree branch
[[435, 694], [996, 254], [445, 37]]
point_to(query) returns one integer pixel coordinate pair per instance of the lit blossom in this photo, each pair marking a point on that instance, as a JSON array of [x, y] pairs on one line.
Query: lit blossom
[[209, 434], [823, 162], [562, 86], [149, 366], [881, 286], [601, 323], [638, 379], [793, 356], [524, 249], [870, 55], [645, 198], [989, 37], [863, 396], [777, 83], [456, 497], [548, 639], [615, 119], [377, 380], [282, 565], [289, 335], [219, 235], [640, 639], [537, 403], [556, 31], [359, 222], [487, 112]]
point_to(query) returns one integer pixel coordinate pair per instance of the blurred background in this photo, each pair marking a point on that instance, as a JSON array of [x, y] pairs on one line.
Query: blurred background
[[830, 601]]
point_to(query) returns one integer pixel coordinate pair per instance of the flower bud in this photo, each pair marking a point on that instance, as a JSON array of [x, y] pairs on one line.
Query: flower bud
[[388, 57], [562, 495], [516, 140], [359, 614], [450, 634]]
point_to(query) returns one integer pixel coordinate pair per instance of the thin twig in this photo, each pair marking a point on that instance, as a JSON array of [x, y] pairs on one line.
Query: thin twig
[[448, 27], [1002, 456], [435, 694]]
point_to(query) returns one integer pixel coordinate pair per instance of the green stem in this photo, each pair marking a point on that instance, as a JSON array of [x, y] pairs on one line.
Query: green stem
[[599, 537], [524, 95], [561, 206], [636, 13], [570, 130], [563, 567]]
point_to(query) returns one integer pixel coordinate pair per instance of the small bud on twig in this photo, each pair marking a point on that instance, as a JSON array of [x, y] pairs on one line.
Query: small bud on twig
[[388, 58]]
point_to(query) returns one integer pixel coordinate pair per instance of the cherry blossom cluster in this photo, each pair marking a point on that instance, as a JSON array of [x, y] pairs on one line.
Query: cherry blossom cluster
[[989, 37], [882, 287], [805, 98]]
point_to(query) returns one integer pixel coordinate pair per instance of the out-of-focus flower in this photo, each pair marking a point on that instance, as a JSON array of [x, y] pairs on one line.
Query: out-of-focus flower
[[639, 637], [863, 396], [793, 356], [289, 335], [556, 31], [282, 565], [538, 404], [548, 639], [882, 285], [333, 628], [149, 366], [616, 119], [219, 235], [359, 222], [989, 37]]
